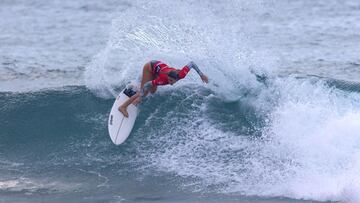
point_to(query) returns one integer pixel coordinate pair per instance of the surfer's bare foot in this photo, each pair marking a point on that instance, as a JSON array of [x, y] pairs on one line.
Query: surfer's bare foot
[[123, 110]]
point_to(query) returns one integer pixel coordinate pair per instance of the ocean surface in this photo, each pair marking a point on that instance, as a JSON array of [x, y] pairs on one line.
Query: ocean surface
[[279, 121]]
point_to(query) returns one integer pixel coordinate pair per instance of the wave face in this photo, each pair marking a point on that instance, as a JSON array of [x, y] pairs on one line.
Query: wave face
[[294, 138], [279, 121]]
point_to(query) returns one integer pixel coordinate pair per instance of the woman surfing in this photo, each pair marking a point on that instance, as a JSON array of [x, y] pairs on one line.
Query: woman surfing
[[157, 73]]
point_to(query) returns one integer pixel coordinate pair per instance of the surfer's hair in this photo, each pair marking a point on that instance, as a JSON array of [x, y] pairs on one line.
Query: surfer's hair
[[173, 74]]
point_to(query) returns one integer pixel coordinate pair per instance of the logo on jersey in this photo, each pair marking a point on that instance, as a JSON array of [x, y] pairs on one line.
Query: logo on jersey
[[157, 69]]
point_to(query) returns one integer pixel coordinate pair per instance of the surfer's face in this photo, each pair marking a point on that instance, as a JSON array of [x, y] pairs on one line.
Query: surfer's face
[[172, 80]]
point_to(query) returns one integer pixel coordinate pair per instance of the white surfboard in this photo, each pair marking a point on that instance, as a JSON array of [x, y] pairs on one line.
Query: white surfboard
[[118, 125]]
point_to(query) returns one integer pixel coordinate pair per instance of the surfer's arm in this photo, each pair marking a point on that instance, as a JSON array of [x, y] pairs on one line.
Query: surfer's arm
[[191, 65]]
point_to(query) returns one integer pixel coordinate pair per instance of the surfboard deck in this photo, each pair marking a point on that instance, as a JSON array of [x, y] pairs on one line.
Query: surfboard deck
[[118, 125]]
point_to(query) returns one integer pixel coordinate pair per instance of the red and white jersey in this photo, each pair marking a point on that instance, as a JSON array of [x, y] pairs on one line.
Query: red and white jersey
[[160, 70]]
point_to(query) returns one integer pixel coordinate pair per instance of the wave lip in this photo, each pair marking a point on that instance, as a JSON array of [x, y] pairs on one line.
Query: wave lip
[[307, 148]]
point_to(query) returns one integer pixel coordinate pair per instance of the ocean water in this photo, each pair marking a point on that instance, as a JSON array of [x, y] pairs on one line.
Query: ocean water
[[278, 122]]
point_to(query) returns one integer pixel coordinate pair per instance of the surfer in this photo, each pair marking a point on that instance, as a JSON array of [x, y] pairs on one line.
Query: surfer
[[157, 73]]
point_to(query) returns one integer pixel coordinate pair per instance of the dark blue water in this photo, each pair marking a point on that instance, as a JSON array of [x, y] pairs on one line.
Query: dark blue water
[[58, 149], [55, 147]]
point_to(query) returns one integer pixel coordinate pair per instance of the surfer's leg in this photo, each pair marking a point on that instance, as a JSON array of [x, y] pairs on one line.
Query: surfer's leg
[[146, 76], [124, 106]]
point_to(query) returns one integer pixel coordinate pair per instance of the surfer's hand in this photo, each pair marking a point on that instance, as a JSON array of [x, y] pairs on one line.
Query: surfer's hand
[[204, 78]]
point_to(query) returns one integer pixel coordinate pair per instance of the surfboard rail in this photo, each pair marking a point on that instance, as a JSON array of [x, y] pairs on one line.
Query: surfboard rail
[[119, 126]]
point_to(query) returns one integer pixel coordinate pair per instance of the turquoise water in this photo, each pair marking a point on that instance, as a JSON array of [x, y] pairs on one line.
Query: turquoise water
[[55, 148]]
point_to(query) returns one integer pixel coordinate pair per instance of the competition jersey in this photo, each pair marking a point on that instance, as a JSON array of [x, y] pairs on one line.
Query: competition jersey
[[160, 70]]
